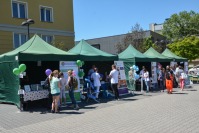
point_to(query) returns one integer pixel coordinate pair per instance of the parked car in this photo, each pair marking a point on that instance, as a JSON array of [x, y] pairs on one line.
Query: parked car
[[194, 70]]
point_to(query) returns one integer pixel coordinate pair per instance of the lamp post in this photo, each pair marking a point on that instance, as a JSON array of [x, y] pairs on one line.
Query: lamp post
[[27, 23]]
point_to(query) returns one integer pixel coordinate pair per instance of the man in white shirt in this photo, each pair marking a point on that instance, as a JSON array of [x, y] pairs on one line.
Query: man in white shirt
[[114, 74], [96, 78], [142, 78], [91, 71]]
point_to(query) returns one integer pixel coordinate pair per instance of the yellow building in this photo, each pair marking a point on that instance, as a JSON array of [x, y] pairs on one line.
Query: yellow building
[[53, 19]]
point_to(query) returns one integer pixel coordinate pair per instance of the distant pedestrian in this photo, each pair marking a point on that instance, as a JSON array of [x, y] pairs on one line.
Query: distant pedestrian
[[55, 90], [114, 75], [71, 85], [169, 80], [142, 78], [161, 78], [181, 77], [62, 92], [147, 79], [132, 79], [96, 78]]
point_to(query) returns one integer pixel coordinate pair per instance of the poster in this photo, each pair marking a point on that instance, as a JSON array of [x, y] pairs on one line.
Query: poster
[[154, 72], [173, 63], [122, 83], [64, 67]]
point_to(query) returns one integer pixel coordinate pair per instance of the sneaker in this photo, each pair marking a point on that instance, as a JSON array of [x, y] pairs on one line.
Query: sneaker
[[77, 107], [52, 111]]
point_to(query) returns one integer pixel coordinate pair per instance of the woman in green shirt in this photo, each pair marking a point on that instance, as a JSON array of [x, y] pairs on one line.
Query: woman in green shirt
[[55, 90]]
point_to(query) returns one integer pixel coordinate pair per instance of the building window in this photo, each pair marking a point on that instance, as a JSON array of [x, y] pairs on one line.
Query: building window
[[19, 9], [19, 39], [47, 38], [96, 46], [46, 14]]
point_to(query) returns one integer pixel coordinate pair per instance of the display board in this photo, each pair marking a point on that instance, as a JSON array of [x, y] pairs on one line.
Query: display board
[[122, 83], [154, 72], [65, 66]]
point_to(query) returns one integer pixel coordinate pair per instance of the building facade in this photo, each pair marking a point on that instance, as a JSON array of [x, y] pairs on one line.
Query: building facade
[[54, 22], [107, 44], [156, 27]]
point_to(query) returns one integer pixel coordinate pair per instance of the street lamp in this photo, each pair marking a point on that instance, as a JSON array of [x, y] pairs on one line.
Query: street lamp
[[27, 23]]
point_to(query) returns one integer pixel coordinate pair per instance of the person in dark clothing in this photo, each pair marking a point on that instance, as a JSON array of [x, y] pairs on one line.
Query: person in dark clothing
[[71, 89]]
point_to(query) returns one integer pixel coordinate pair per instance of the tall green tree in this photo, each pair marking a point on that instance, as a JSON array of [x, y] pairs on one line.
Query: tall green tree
[[147, 43], [187, 47], [181, 25]]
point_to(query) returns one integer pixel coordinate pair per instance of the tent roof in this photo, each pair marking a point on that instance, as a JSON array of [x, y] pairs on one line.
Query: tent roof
[[152, 53], [131, 53], [87, 52], [170, 54], [37, 49]]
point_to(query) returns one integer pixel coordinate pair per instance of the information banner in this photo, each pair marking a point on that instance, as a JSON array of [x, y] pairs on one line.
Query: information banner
[[154, 72], [65, 66], [122, 84]]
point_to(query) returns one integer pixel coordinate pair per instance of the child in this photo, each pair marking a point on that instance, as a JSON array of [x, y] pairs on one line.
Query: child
[[62, 89]]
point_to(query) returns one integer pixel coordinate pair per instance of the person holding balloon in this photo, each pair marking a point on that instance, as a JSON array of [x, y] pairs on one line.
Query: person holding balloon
[[55, 90]]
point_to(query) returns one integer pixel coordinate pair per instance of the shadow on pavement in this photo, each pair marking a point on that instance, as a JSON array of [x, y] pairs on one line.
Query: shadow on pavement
[[181, 93]]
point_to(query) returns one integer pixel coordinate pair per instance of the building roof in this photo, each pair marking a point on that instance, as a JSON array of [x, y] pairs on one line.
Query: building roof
[[132, 54], [87, 52], [170, 54], [152, 53], [37, 49]]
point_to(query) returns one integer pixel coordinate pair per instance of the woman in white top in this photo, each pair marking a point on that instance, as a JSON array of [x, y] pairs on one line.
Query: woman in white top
[[96, 78], [146, 78], [62, 90]]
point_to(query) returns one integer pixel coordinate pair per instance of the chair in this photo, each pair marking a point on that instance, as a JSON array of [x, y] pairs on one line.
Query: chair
[[91, 91]]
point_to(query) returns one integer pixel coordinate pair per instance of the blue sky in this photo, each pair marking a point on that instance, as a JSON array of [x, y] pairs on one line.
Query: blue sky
[[100, 18]]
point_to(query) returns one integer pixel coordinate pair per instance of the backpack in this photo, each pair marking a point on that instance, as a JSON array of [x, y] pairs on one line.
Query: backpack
[[75, 82], [168, 75], [183, 75]]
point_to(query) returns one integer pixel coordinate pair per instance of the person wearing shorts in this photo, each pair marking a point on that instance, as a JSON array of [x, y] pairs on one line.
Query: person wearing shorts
[[55, 90]]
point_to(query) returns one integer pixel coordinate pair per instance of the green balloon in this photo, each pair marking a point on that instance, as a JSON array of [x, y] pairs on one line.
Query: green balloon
[[81, 74], [22, 67], [79, 63], [16, 71], [83, 63]]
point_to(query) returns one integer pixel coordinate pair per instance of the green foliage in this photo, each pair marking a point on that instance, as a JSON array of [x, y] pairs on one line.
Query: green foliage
[[181, 25], [187, 47], [59, 45], [149, 43], [134, 37]]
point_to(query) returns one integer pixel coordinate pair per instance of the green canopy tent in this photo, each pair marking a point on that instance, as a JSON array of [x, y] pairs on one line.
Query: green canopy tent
[[130, 56], [86, 52], [170, 54], [34, 49], [156, 57]]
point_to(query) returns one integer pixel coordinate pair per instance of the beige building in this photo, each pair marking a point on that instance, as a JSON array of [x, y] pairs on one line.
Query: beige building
[[54, 22]]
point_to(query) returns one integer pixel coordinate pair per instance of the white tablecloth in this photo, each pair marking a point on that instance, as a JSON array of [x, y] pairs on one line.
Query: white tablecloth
[[35, 95]]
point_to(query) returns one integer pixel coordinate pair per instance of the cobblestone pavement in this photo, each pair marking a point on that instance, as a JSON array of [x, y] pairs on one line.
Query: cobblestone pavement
[[148, 113]]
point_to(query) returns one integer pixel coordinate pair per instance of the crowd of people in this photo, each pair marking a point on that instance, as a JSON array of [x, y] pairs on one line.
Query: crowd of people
[[57, 84], [169, 78]]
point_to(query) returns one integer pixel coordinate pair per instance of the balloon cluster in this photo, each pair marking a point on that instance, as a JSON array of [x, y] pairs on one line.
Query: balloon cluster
[[80, 63], [19, 70], [136, 68], [48, 72], [81, 74]]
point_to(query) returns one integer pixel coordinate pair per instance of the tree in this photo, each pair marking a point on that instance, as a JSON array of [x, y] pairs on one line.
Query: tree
[[59, 45], [135, 38], [187, 47], [181, 25]]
